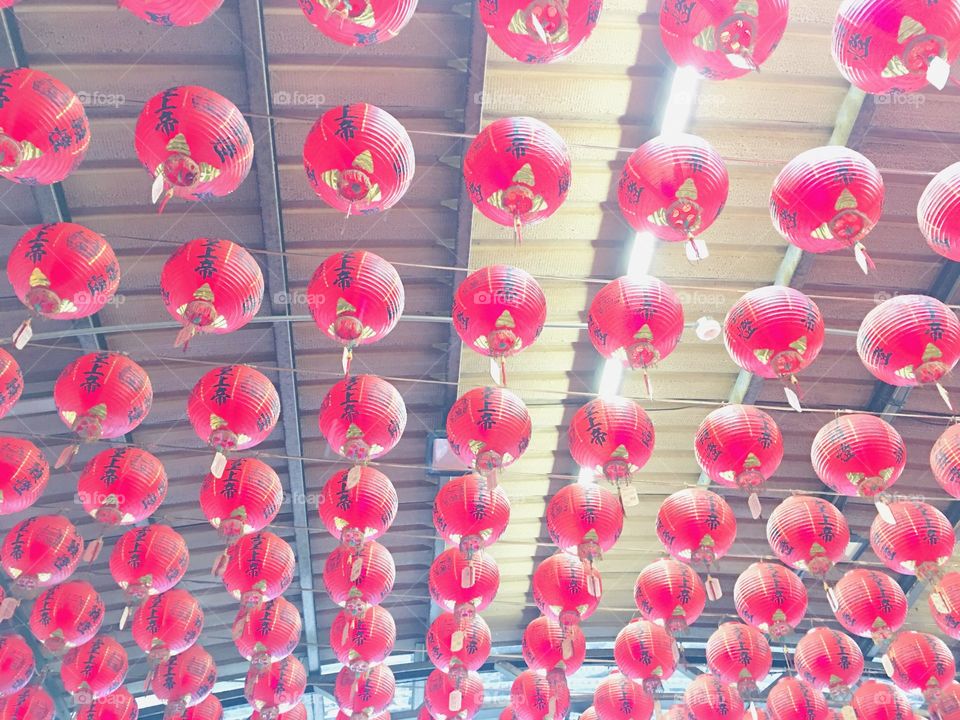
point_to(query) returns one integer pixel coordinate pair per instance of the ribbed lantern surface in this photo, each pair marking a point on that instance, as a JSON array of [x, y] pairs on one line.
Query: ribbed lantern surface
[[269, 632], [488, 428], [245, 499], [172, 13], [367, 22], [829, 660], [670, 593], [808, 533], [41, 551], [696, 526], [918, 542], [353, 588], [614, 437], [739, 655], [584, 519], [938, 213], [66, 615], [870, 604], [771, 598], [259, 567], [24, 473], [122, 485], [358, 504], [233, 407], [739, 446], [858, 454], [362, 417], [149, 560], [540, 32], [167, 624]]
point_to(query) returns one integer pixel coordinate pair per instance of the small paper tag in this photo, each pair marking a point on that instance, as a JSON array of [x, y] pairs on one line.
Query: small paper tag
[[885, 513], [860, 255], [218, 465], [831, 598], [753, 711], [66, 456], [156, 190], [945, 396], [92, 550], [345, 634], [566, 648], [714, 589], [495, 371], [792, 399], [8, 607], [236, 632], [887, 665], [552, 707], [936, 599], [696, 250], [848, 713], [629, 496], [456, 641], [753, 502], [539, 29], [123, 617], [594, 588], [356, 570], [456, 701], [938, 72], [353, 476], [22, 335], [345, 360], [468, 576], [739, 61]]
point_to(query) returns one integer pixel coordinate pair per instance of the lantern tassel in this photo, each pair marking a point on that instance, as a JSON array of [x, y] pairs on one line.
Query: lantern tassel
[[945, 395], [346, 360], [517, 234], [23, 334], [863, 258], [185, 336], [63, 460], [503, 371]]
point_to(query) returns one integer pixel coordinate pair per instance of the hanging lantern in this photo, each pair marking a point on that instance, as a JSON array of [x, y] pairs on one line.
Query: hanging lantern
[[94, 670], [517, 172], [722, 40], [793, 699], [299, 712], [869, 604], [808, 533], [498, 311], [149, 560], [31, 703], [352, 588], [945, 460], [184, 681], [875, 700], [739, 446], [366, 693], [770, 598], [828, 198], [357, 505], [267, 633], [355, 298], [362, 417], [918, 541], [17, 664], [534, 697], [646, 653], [275, 688], [708, 698], [366, 23], [947, 706], [937, 213], [360, 641], [194, 143], [674, 187], [557, 650], [245, 499], [457, 646], [66, 615], [44, 131], [210, 286], [233, 407], [944, 602], [11, 380], [259, 567], [40, 552], [739, 655], [122, 486], [24, 473], [775, 332], [101, 395], [540, 32], [679, 712], [118, 705], [488, 428], [584, 519], [463, 586], [207, 709], [910, 340], [470, 513], [895, 47], [172, 13], [917, 661], [858, 454], [447, 698], [829, 660], [167, 624], [566, 589], [671, 594]]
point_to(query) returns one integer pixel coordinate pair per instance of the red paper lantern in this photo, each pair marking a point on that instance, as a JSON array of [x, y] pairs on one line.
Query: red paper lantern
[[30, 703], [299, 712], [354, 589], [360, 641], [470, 512], [918, 542], [463, 586], [149, 560], [566, 589], [103, 395], [614, 437], [517, 172], [211, 286], [945, 460], [172, 13], [276, 688], [366, 693], [670, 594], [362, 417], [708, 698], [359, 159], [808, 533], [920, 661], [488, 428], [827, 199], [122, 485], [456, 646], [674, 187], [947, 706], [167, 624], [858, 454], [45, 130], [534, 697], [355, 298], [66, 615], [553, 648], [938, 213], [739, 446], [24, 473], [269, 632], [585, 519], [875, 700], [679, 712], [829, 660], [11, 380], [894, 47], [118, 705], [944, 602], [95, 669], [770, 598], [542, 31], [646, 653], [357, 505], [194, 142], [909, 340], [722, 40], [793, 699], [870, 604], [366, 23], [41, 551], [696, 526], [450, 698], [184, 681], [739, 655], [207, 709], [259, 567], [245, 499], [16, 664]]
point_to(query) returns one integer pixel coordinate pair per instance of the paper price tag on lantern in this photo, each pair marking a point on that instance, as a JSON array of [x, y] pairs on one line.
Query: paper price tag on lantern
[[629, 496], [793, 400], [456, 641], [739, 61], [831, 598], [92, 550], [938, 72], [345, 635], [8, 607], [753, 712], [218, 465], [936, 598], [848, 713], [495, 371], [456, 701], [353, 476], [753, 502], [697, 250], [593, 585], [156, 190], [356, 569], [887, 665], [566, 647], [468, 576], [123, 617], [23, 334], [714, 589], [885, 513]]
